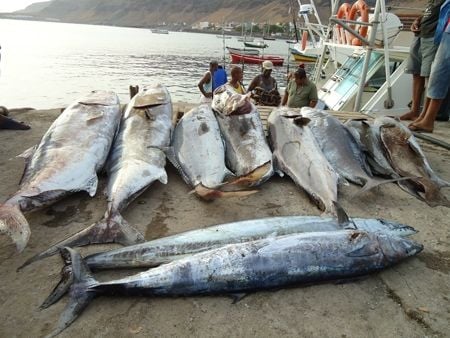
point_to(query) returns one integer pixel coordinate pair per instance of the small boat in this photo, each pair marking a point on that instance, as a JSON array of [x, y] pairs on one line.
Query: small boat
[[224, 36], [255, 59], [256, 44], [302, 56], [270, 38], [160, 31], [244, 51]]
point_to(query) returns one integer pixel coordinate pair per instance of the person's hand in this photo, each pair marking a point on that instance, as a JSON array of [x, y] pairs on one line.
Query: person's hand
[[415, 26]]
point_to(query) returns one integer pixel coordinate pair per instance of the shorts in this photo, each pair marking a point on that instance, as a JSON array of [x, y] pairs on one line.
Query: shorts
[[421, 55], [440, 71]]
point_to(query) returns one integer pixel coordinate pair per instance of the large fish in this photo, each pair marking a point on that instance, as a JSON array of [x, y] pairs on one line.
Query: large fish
[[246, 267], [341, 149], [297, 154], [136, 161], [198, 152], [66, 160], [247, 153], [168, 249], [369, 137], [408, 160]]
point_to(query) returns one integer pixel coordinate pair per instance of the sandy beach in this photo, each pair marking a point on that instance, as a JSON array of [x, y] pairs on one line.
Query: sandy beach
[[409, 300]]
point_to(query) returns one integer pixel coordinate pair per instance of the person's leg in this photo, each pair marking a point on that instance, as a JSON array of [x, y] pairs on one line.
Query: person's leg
[[413, 67], [437, 87]]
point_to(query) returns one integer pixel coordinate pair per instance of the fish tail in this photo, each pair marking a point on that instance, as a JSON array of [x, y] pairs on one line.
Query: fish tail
[[210, 194], [111, 229], [14, 224], [64, 284], [81, 292]]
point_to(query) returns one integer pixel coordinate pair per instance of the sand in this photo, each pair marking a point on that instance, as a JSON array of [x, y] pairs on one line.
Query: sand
[[409, 300]]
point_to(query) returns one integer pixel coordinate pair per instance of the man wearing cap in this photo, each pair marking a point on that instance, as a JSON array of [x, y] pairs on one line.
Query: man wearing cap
[[300, 92], [264, 87]]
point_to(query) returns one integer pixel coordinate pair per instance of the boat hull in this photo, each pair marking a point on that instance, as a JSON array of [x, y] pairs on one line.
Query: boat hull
[[256, 59]]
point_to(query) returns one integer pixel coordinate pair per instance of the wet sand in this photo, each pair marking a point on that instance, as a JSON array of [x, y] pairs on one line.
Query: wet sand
[[409, 300]]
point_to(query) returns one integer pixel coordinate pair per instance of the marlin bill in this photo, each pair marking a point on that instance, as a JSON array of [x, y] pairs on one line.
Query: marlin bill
[[66, 160]]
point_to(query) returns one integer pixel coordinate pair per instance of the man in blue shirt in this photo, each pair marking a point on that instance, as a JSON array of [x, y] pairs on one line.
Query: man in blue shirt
[[219, 78]]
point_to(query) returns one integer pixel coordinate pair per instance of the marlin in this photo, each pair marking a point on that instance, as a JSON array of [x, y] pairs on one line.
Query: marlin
[[136, 161], [67, 160], [168, 249], [245, 267]]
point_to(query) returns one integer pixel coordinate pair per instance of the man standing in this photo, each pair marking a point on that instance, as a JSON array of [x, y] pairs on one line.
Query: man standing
[[264, 87], [206, 83], [421, 54], [300, 92]]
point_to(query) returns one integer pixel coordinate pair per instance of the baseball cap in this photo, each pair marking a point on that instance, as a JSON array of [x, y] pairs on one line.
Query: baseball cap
[[267, 65]]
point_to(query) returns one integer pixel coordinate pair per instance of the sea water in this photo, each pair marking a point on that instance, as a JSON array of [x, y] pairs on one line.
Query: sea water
[[50, 64]]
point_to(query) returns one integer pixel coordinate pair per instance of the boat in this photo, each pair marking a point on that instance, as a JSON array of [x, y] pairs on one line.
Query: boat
[[255, 59], [159, 31], [244, 51], [224, 36], [270, 38], [256, 44], [302, 56]]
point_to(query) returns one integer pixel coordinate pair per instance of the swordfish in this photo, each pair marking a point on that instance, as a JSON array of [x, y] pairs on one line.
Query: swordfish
[[137, 160], [246, 267], [67, 160]]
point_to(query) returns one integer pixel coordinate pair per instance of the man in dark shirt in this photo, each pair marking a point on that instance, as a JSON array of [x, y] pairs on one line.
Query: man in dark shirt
[[300, 92], [422, 53], [264, 87]]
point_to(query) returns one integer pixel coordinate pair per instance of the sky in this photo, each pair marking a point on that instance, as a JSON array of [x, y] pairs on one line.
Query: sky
[[14, 5]]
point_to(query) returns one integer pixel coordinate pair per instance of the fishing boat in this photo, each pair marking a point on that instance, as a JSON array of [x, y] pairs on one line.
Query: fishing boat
[[255, 59], [244, 51], [256, 44], [159, 31], [302, 56]]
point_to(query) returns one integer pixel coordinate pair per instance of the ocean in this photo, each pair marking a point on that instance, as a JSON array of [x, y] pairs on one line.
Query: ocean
[[49, 64]]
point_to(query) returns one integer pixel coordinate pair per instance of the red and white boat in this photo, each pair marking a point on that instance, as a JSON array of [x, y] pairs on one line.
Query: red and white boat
[[255, 59]]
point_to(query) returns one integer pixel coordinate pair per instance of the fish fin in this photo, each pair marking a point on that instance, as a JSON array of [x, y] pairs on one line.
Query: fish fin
[[276, 165], [255, 176], [364, 250], [113, 229], [14, 224], [209, 194], [301, 121], [343, 220], [170, 154], [81, 293], [237, 297], [91, 185], [373, 183], [28, 153], [163, 177], [64, 284]]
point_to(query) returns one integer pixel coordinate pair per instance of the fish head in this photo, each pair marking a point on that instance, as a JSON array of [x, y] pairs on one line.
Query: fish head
[[396, 248], [398, 229], [228, 102]]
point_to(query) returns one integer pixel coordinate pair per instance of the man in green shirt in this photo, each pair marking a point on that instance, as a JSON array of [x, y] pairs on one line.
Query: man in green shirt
[[300, 92]]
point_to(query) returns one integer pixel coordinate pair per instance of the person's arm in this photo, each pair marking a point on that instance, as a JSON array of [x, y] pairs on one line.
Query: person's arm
[[415, 26], [286, 95], [252, 85], [313, 98], [205, 79]]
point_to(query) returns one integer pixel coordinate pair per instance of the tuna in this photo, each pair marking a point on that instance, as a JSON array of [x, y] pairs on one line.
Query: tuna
[[408, 160], [198, 152], [136, 161], [168, 249], [297, 154], [246, 267], [341, 149], [246, 150], [67, 160]]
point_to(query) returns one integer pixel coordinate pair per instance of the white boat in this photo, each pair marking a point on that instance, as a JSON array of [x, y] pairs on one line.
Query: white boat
[[159, 31], [353, 69]]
